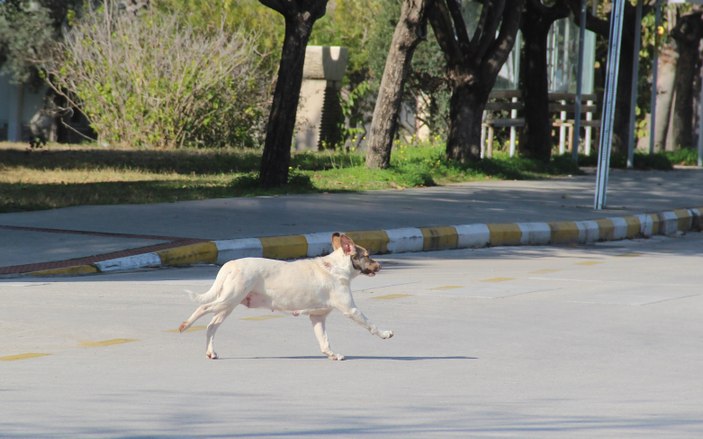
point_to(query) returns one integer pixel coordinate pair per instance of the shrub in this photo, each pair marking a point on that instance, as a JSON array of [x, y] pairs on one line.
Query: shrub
[[150, 80]]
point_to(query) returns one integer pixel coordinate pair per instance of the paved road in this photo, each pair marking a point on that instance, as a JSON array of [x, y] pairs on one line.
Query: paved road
[[597, 341]]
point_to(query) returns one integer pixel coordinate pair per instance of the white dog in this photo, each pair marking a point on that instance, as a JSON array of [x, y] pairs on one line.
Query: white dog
[[308, 286]]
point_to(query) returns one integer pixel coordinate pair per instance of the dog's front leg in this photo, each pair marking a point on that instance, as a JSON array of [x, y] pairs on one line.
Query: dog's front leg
[[354, 313], [318, 326]]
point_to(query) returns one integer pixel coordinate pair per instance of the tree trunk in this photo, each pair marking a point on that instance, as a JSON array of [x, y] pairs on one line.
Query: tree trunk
[[536, 136], [465, 113], [621, 123], [299, 16], [473, 65], [384, 125], [687, 35], [665, 95]]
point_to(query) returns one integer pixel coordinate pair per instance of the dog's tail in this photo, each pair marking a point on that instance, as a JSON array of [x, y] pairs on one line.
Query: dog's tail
[[201, 298], [208, 296], [214, 291]]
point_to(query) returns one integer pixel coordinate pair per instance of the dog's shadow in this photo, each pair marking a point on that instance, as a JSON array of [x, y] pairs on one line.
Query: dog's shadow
[[358, 357]]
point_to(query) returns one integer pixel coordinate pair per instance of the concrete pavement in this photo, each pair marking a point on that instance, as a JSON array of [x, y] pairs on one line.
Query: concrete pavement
[[91, 239]]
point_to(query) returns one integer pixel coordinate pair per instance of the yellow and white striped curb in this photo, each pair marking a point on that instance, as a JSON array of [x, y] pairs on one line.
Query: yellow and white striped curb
[[408, 239]]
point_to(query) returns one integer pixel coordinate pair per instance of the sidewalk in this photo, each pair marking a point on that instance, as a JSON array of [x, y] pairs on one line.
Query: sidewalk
[[90, 239]]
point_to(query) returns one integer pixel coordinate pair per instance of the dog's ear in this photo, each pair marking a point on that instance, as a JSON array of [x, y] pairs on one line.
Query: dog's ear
[[336, 241], [347, 245]]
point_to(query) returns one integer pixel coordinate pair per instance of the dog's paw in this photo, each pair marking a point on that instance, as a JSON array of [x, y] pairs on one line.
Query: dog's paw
[[183, 327], [386, 334], [336, 357], [212, 355]]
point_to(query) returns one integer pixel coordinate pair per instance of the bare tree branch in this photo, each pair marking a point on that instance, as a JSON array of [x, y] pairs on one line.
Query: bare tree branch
[[593, 23], [459, 25], [495, 18], [443, 27], [501, 45]]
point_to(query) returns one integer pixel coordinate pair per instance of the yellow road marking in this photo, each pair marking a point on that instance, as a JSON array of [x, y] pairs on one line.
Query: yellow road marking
[[589, 262], [284, 247], [505, 234], [189, 254], [438, 238], [26, 356], [391, 296], [375, 241], [103, 343], [545, 271], [66, 271], [497, 279], [267, 317], [446, 287]]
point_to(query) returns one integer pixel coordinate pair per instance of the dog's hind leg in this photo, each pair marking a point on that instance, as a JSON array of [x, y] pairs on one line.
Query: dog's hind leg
[[318, 326], [199, 312], [212, 328], [225, 291], [234, 289]]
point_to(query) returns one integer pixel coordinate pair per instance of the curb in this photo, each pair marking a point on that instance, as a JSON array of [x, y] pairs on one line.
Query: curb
[[409, 239]]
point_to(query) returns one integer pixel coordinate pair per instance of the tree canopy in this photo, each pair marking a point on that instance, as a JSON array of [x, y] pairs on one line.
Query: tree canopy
[[27, 28]]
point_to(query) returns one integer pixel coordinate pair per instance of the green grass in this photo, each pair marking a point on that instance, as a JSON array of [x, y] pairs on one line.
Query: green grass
[[662, 161], [60, 176], [687, 157]]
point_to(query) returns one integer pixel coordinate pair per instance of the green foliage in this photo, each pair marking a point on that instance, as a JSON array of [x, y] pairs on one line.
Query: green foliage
[[380, 40], [152, 81], [262, 25], [354, 24], [349, 23], [346, 23], [431, 157], [427, 80], [354, 106], [684, 156], [25, 29], [428, 84]]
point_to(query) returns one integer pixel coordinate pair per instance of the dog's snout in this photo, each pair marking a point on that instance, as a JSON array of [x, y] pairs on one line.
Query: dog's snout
[[372, 267]]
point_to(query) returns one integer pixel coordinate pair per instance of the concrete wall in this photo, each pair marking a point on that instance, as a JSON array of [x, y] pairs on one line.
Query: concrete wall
[[319, 109]]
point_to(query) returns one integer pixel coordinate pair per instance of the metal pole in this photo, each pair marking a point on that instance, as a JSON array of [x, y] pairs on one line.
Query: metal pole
[[611, 80], [700, 124], [655, 68], [513, 131], [566, 55], [633, 89], [579, 83], [553, 60]]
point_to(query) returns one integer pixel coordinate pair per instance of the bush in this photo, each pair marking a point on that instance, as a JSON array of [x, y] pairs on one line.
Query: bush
[[150, 80]]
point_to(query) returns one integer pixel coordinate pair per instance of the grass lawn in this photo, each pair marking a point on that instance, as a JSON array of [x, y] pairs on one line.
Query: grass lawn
[[59, 176]]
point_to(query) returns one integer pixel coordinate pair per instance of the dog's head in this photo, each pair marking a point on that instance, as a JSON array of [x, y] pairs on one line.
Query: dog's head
[[360, 259]]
